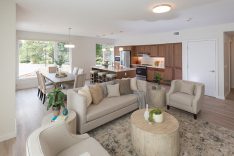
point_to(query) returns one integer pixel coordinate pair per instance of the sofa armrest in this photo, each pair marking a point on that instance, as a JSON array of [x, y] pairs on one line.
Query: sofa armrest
[[197, 101], [77, 103], [171, 91], [56, 138]]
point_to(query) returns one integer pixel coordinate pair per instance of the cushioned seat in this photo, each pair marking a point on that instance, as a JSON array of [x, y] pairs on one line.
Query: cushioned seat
[[88, 147], [109, 105], [182, 98]]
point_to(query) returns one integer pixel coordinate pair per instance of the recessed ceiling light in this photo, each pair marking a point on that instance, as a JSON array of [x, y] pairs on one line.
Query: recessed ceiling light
[[162, 8]]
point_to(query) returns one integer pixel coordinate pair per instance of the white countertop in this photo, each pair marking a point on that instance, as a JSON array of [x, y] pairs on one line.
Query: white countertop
[[113, 69]]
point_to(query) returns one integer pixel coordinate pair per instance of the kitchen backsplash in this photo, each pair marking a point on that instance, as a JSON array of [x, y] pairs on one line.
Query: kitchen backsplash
[[154, 61]]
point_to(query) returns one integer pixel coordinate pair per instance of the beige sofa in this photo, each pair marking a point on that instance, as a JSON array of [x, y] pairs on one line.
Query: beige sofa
[[55, 140], [108, 109], [188, 102]]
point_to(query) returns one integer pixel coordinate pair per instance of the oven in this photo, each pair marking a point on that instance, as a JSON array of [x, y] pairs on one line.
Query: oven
[[141, 72]]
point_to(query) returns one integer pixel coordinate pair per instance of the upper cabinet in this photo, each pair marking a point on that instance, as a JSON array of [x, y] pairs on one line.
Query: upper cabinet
[[177, 55], [166, 50], [154, 51]]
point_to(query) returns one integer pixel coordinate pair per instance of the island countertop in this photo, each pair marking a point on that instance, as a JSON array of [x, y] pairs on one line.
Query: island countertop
[[120, 72], [113, 69]]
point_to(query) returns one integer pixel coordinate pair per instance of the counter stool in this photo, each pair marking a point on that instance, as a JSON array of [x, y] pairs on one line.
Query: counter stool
[[110, 77], [93, 76], [101, 77]]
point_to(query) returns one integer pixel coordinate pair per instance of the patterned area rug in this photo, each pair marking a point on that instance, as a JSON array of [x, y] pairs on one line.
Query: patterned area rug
[[197, 137]]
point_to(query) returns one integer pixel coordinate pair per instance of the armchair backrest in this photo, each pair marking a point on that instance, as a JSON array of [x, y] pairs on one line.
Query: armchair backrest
[[79, 80], [176, 85]]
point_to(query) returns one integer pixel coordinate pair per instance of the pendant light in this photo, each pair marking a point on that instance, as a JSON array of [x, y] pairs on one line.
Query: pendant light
[[69, 44]]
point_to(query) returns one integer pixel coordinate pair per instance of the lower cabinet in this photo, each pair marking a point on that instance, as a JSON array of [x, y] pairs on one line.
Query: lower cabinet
[[151, 72], [168, 74], [177, 73]]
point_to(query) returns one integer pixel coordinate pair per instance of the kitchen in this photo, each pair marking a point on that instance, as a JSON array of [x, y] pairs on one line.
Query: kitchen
[[147, 60]]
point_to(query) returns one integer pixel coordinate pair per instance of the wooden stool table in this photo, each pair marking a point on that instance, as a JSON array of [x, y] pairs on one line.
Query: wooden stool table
[[70, 121], [161, 139]]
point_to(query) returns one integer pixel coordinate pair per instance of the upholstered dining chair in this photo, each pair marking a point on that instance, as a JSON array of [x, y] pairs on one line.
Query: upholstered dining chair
[[39, 83], [79, 82], [80, 71], [56, 140], [75, 71], [45, 89]]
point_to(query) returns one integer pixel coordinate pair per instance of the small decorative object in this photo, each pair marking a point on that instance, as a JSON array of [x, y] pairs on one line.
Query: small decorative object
[[158, 79], [56, 101], [146, 114], [65, 111], [59, 62], [156, 115], [105, 64]]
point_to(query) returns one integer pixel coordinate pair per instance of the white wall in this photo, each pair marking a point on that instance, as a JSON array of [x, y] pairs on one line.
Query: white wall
[[7, 68], [83, 55], [227, 49], [204, 33]]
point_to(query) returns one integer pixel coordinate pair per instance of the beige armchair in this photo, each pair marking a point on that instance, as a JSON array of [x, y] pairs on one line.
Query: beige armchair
[[186, 95], [55, 140]]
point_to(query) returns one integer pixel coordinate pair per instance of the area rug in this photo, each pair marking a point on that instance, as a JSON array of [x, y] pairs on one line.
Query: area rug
[[197, 137]]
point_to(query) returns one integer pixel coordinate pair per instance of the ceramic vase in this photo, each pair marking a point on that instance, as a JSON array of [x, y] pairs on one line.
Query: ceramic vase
[[146, 114], [158, 118]]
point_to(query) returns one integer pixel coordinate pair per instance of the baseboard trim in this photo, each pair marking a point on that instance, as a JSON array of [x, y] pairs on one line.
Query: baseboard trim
[[7, 136], [220, 97]]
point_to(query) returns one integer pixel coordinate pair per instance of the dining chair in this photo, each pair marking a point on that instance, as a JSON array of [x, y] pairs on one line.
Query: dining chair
[[75, 71], [39, 83], [45, 89], [80, 71], [78, 82], [52, 69]]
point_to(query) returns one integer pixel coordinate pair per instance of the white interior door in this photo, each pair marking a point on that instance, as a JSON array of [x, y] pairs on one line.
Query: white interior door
[[201, 64]]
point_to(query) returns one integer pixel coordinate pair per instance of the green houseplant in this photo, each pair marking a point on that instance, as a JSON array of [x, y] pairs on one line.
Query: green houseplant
[[60, 61], [56, 101], [158, 78], [156, 115]]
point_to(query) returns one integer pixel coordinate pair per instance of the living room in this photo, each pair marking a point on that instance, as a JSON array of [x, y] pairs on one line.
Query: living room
[[206, 39]]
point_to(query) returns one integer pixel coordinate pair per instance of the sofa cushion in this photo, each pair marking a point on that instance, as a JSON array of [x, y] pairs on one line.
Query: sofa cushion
[[109, 105], [181, 98], [96, 93], [88, 147], [124, 87], [187, 88], [113, 90], [84, 91]]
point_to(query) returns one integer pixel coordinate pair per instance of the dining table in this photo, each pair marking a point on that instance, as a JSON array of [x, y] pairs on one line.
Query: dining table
[[57, 81]]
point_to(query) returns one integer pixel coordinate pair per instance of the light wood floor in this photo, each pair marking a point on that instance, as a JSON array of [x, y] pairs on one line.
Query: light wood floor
[[29, 113]]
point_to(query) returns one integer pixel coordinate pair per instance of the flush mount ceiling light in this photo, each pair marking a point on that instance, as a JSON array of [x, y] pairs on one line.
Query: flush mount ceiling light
[[162, 8], [69, 44]]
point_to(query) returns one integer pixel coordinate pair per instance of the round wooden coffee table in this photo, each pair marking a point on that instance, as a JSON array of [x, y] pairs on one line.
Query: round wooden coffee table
[[71, 121], [161, 139]]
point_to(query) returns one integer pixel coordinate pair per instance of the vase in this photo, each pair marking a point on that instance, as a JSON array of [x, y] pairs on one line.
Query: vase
[[56, 111], [146, 114], [158, 118]]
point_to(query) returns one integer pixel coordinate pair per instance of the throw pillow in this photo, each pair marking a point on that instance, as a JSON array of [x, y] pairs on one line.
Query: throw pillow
[[187, 88], [86, 93], [124, 87], [133, 84], [113, 90], [104, 89], [96, 93]]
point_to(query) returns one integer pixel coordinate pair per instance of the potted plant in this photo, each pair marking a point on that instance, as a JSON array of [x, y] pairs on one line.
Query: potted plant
[[156, 115], [59, 62], [56, 101], [158, 78]]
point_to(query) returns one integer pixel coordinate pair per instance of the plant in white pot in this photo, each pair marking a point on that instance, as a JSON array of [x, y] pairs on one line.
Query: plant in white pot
[[56, 101], [156, 115]]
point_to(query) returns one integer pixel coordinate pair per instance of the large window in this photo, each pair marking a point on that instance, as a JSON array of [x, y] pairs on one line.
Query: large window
[[104, 53], [34, 55]]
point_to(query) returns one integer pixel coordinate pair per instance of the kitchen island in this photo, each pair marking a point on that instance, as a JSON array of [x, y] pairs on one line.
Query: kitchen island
[[120, 72]]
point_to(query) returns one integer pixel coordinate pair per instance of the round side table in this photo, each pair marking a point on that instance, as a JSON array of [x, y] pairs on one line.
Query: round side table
[[161, 139], [70, 121]]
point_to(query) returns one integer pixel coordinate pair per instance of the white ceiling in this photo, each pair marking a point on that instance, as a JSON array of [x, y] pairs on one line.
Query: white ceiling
[[116, 18]]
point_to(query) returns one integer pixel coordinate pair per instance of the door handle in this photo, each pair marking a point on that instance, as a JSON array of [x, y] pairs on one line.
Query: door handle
[[212, 71]]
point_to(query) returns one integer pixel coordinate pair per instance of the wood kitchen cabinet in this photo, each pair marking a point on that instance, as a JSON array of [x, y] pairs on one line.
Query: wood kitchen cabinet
[[151, 72], [168, 74], [177, 48], [116, 51], [154, 51], [166, 51]]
